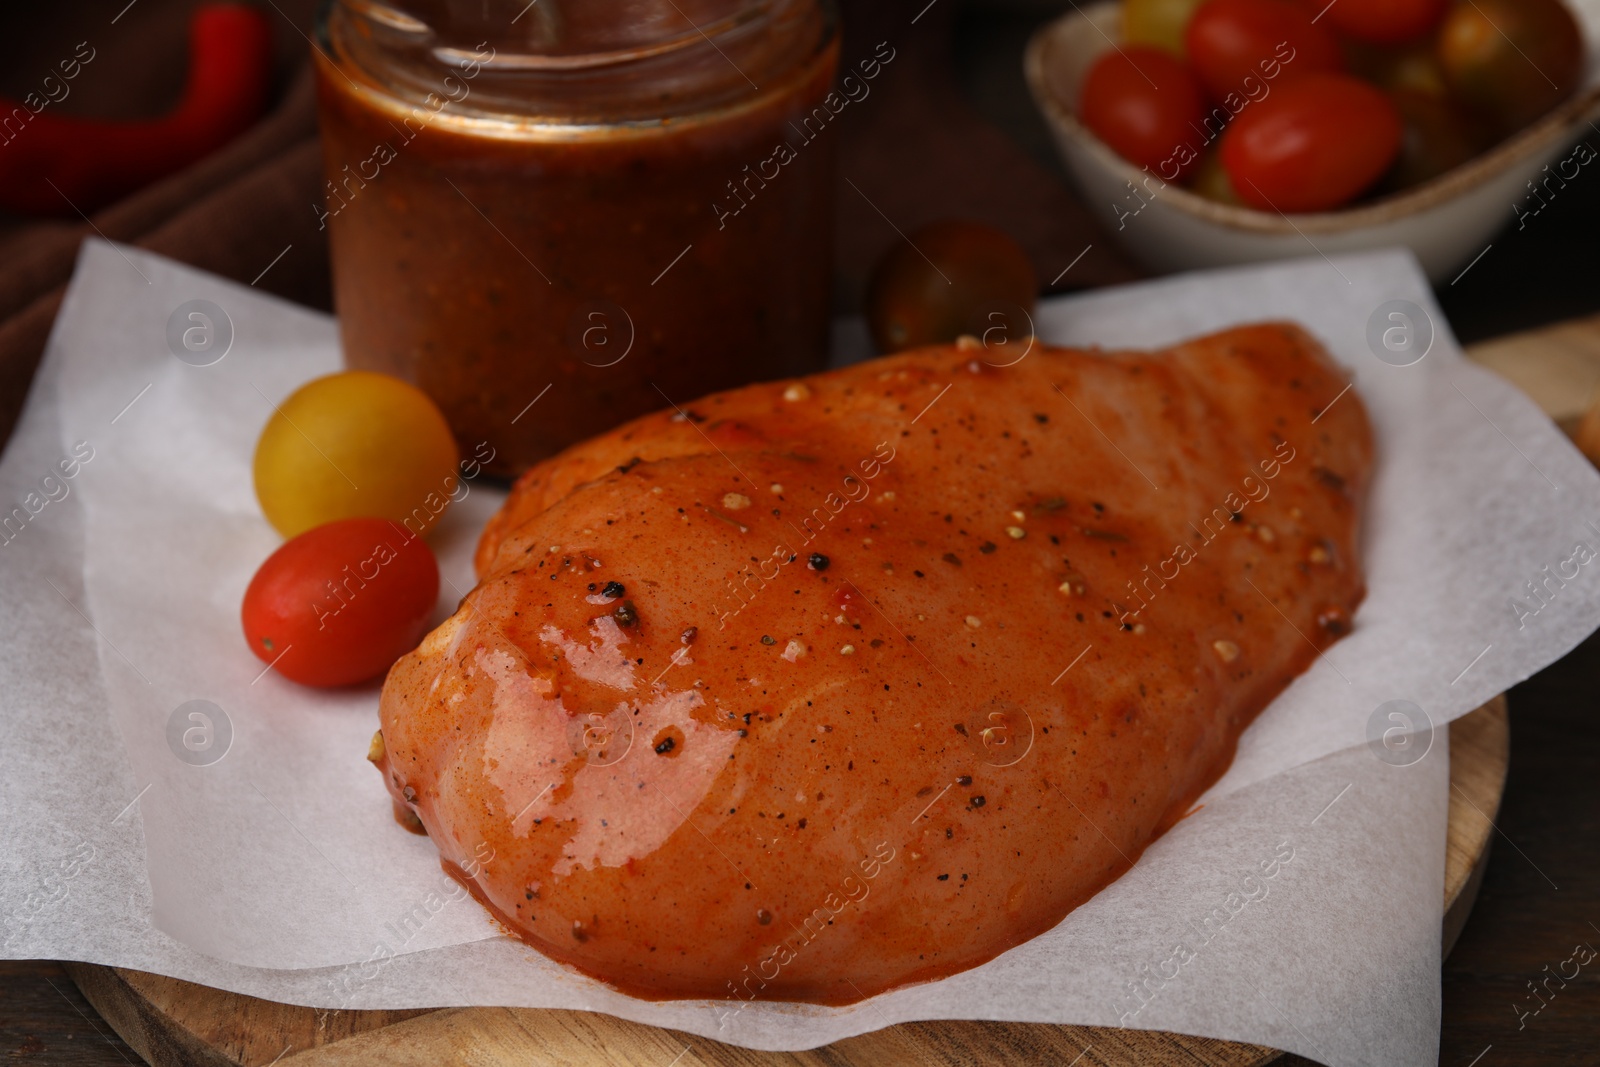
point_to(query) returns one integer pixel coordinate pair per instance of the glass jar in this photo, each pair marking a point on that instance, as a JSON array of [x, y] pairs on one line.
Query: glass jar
[[554, 216]]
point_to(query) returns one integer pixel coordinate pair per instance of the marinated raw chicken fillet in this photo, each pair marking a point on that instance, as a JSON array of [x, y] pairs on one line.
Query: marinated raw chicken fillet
[[817, 688]]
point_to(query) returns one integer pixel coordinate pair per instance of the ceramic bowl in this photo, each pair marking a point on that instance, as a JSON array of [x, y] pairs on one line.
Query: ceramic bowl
[[1447, 222]]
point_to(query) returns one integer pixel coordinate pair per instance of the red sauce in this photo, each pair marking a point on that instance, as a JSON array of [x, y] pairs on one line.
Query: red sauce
[[545, 280]]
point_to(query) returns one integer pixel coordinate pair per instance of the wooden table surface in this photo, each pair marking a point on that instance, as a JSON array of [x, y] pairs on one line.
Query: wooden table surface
[[1550, 818]]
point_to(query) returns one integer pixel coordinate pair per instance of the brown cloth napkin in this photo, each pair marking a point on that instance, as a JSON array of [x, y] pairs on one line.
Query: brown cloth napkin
[[913, 153]]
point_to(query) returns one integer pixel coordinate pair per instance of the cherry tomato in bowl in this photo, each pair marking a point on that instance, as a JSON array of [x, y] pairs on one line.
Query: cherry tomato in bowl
[[1511, 60], [1157, 22], [1439, 136], [1212, 182], [341, 602], [1241, 47], [1312, 145], [1147, 106], [1386, 22], [947, 279], [1413, 68]]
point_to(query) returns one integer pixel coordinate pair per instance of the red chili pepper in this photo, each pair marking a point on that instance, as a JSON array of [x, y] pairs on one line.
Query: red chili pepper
[[93, 163]]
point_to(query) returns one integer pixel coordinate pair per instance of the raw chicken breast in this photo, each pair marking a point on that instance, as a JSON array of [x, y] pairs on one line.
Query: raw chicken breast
[[813, 689]]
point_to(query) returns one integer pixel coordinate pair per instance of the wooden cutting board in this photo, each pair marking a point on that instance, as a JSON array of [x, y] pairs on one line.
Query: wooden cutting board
[[172, 1023]]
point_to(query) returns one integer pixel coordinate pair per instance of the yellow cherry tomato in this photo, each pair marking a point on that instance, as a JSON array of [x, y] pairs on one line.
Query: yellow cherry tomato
[[1211, 180], [355, 444], [1157, 22]]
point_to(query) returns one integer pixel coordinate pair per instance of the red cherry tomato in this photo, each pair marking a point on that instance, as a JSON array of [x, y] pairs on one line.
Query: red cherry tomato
[[1271, 42], [1386, 21], [1145, 104], [1312, 145], [341, 602]]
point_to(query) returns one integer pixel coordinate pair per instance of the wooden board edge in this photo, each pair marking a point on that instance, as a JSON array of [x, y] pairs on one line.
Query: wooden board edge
[[503, 1035], [139, 1021], [1455, 917], [1480, 756], [1557, 366], [170, 1015]]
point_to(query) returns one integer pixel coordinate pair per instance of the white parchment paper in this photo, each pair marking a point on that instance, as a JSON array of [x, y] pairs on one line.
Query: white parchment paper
[[1304, 895]]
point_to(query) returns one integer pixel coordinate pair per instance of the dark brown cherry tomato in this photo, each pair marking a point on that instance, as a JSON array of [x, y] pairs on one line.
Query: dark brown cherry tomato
[[1147, 105], [1511, 60], [1439, 136], [1414, 68], [948, 279], [340, 603], [1270, 42], [1386, 21], [1312, 145]]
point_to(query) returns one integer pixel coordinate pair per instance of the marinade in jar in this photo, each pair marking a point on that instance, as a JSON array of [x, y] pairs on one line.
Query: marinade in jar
[[618, 208]]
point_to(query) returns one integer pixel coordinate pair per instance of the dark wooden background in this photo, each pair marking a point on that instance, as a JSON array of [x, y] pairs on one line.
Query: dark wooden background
[[1551, 814]]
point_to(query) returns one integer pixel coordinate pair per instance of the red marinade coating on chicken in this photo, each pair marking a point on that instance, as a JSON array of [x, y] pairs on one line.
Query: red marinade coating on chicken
[[814, 689]]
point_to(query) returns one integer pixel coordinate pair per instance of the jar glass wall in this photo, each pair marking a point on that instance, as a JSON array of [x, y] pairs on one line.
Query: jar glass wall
[[555, 217]]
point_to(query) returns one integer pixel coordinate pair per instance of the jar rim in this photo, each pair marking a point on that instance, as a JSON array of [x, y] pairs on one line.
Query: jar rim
[[584, 60], [386, 13], [400, 56]]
